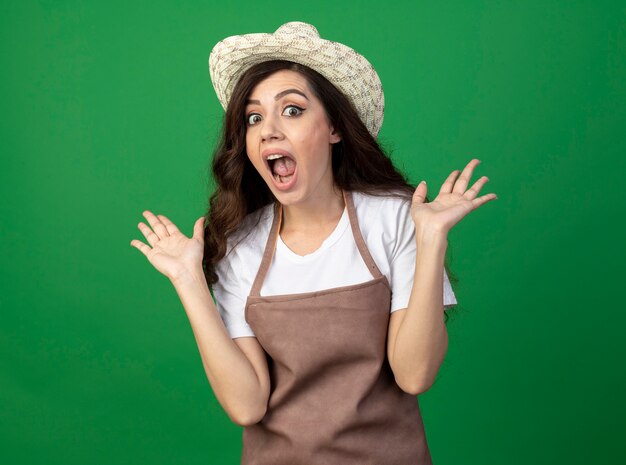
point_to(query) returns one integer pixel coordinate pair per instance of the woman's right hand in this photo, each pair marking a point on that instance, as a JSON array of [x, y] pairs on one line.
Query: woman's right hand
[[171, 252]]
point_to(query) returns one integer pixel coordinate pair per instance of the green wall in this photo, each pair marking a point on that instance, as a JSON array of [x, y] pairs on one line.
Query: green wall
[[108, 109]]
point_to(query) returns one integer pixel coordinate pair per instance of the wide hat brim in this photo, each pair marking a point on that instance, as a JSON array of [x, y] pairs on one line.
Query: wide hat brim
[[300, 42]]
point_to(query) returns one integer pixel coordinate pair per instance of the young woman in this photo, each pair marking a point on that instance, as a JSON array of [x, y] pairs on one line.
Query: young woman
[[326, 265]]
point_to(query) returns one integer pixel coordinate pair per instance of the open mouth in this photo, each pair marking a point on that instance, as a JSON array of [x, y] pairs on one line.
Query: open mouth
[[282, 167]]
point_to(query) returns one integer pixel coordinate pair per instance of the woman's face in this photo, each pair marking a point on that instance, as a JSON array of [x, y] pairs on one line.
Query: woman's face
[[284, 117]]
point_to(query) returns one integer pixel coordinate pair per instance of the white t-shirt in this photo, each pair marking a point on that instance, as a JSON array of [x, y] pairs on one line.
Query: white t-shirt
[[388, 231]]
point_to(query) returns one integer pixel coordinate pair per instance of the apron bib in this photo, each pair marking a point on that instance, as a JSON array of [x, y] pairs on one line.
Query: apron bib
[[333, 398]]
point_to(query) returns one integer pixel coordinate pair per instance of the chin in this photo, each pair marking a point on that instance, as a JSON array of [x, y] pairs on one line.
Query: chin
[[289, 198]]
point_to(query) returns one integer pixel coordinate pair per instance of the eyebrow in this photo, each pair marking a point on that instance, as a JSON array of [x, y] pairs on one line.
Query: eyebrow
[[280, 95]]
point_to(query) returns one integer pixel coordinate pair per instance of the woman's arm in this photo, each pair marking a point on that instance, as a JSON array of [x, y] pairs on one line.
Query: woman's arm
[[237, 372], [418, 339], [419, 336]]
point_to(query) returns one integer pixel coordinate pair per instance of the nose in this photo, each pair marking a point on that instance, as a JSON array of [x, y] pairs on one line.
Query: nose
[[271, 128]]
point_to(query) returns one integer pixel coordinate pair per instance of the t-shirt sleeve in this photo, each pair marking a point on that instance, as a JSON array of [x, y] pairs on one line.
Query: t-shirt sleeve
[[230, 300], [402, 266]]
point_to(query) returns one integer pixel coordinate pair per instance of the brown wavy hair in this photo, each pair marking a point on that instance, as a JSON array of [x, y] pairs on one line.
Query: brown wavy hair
[[358, 162]]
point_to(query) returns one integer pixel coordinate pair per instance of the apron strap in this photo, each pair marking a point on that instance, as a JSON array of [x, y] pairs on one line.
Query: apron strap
[[270, 245], [360, 242]]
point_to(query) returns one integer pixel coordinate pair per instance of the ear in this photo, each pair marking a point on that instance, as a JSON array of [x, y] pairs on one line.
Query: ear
[[334, 136]]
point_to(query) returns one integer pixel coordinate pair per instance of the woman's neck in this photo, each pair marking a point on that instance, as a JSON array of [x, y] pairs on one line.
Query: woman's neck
[[316, 211]]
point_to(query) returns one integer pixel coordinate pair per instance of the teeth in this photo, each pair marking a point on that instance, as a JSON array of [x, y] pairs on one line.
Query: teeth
[[275, 156]]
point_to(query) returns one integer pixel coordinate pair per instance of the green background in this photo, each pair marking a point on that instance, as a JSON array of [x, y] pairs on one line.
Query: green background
[[108, 109]]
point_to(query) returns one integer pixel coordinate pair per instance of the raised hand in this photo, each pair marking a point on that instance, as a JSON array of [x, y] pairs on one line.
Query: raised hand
[[171, 252], [451, 204]]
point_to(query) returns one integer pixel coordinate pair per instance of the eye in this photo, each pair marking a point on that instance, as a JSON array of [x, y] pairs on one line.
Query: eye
[[250, 118], [289, 109]]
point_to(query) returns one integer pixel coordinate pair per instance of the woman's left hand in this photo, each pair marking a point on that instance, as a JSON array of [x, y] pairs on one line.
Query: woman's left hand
[[452, 203]]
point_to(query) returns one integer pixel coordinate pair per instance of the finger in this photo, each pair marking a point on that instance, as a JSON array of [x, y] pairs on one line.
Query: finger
[[159, 228], [420, 193], [472, 192], [483, 199], [466, 174], [198, 228], [148, 233], [446, 187], [171, 227], [143, 248]]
